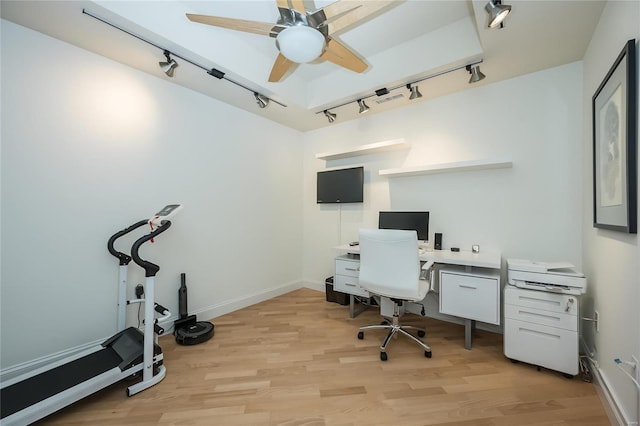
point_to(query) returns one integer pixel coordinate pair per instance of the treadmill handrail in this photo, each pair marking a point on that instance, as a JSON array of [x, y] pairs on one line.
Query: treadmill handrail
[[150, 269], [123, 257]]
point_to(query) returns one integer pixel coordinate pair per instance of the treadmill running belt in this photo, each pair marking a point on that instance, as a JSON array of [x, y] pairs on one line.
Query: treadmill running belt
[[35, 389]]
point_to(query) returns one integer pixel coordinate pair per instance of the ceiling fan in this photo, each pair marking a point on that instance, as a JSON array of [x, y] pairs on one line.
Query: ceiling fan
[[303, 36]]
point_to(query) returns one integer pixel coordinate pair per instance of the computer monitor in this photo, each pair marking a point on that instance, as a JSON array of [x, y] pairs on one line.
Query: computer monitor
[[411, 221]]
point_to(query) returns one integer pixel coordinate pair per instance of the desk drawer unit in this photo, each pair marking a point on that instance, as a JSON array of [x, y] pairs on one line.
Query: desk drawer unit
[[470, 295], [346, 276], [541, 328]]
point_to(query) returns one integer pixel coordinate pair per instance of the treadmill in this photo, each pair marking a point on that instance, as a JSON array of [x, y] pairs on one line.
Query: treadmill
[[36, 394]]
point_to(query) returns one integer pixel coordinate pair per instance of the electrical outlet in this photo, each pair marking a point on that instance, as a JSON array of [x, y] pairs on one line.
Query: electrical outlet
[[596, 320]]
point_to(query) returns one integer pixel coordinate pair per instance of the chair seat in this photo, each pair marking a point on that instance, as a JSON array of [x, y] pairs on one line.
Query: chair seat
[[410, 295]]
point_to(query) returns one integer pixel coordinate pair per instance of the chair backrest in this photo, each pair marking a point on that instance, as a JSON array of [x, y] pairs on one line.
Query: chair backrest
[[390, 264]]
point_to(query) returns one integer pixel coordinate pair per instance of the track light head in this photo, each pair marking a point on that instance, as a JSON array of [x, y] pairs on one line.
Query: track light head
[[330, 116], [169, 66], [261, 100], [497, 12], [363, 107], [476, 74], [415, 93]]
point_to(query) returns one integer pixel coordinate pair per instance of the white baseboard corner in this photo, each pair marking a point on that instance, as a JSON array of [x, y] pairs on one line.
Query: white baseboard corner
[[314, 286], [232, 305], [605, 392]]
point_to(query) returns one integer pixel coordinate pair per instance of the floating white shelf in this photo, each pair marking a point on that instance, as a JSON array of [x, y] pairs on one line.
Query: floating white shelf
[[364, 149], [459, 166]]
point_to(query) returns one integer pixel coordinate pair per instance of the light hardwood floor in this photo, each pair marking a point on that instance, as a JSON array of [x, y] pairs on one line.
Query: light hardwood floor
[[296, 360]]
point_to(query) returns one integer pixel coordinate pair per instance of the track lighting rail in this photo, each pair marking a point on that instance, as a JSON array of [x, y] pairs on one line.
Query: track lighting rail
[[211, 71], [385, 91], [411, 86]]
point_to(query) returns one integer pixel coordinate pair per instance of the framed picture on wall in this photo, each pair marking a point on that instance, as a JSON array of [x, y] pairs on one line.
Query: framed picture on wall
[[614, 108]]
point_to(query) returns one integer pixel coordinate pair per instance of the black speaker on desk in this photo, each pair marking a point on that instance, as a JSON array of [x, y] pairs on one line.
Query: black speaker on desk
[[438, 241]]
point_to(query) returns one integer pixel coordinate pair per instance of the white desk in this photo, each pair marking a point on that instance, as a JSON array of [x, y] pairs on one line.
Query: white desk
[[455, 301], [483, 259]]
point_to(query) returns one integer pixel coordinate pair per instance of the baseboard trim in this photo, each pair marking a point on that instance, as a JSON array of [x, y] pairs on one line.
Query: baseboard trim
[[214, 311], [605, 392], [13, 371], [608, 398], [315, 286]]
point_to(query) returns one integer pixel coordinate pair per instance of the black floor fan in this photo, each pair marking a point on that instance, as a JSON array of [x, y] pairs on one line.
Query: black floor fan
[[188, 330]]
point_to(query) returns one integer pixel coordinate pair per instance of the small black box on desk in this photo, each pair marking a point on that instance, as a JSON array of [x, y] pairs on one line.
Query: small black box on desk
[[335, 296]]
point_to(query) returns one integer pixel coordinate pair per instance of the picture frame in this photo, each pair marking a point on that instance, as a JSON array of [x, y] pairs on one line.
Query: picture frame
[[615, 126]]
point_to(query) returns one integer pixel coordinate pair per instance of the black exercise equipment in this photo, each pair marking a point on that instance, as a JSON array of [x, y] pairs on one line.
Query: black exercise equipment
[[129, 353]]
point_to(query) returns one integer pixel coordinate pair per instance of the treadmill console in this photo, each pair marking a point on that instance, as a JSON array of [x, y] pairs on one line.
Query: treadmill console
[[165, 214]]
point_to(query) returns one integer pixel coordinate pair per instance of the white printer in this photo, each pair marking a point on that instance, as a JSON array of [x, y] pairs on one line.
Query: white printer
[[558, 277], [541, 311]]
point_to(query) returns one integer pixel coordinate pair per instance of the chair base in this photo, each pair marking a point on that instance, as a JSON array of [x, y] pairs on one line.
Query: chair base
[[395, 329]]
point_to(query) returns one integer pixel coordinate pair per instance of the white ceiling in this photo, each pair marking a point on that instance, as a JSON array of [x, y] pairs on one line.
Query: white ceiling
[[409, 41]]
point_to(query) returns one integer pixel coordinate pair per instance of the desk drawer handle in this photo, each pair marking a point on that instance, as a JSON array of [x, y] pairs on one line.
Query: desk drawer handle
[[349, 284], [467, 286], [352, 269]]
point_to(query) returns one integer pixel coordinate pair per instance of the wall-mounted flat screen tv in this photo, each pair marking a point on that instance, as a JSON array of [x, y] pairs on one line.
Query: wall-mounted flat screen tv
[[340, 186], [410, 221]]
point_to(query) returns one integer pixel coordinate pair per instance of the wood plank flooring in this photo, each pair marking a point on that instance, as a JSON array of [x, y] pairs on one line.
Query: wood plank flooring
[[295, 360]]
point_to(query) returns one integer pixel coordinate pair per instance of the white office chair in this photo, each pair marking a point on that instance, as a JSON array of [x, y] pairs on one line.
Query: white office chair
[[390, 267]]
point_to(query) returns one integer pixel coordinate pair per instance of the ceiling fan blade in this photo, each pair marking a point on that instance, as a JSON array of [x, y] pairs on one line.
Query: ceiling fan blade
[[357, 11], [292, 4], [280, 68], [262, 28], [340, 54], [298, 5]]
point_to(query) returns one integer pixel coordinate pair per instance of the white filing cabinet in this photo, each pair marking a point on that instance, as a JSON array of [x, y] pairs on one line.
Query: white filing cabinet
[[346, 276], [541, 328], [470, 295]]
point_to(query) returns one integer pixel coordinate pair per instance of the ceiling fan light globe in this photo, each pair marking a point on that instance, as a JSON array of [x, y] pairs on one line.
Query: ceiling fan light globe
[[300, 44]]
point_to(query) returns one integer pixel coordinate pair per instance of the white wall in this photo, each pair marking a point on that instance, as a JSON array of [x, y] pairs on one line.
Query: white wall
[[90, 146], [610, 258], [532, 210]]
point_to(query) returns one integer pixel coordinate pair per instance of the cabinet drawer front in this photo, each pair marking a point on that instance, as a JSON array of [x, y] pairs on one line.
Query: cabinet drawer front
[[552, 302], [348, 285], [470, 297], [538, 316], [347, 267], [547, 347]]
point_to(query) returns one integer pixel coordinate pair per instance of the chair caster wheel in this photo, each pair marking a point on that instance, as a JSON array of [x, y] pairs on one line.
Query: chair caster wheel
[[427, 354], [361, 335], [383, 356], [421, 333]]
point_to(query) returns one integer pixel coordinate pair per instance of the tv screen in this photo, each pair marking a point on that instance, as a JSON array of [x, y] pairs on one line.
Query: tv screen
[[340, 186], [417, 221]]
